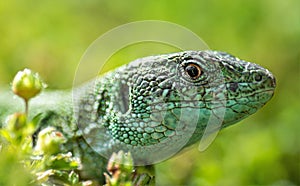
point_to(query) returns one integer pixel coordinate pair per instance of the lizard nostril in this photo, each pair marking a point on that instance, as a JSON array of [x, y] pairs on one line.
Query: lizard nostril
[[258, 77]]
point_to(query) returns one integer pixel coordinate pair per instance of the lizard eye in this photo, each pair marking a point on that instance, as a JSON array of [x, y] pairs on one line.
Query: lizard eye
[[193, 70]]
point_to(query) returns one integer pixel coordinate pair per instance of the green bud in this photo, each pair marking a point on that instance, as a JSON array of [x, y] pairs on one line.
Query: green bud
[[27, 84], [49, 141], [120, 167], [16, 122], [127, 162], [122, 161]]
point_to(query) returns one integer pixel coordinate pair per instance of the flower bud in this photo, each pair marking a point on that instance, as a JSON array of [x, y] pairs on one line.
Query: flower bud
[[16, 122], [120, 167], [49, 141], [27, 84], [122, 161]]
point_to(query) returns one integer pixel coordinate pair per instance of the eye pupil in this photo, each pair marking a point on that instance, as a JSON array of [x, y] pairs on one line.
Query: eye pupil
[[193, 70]]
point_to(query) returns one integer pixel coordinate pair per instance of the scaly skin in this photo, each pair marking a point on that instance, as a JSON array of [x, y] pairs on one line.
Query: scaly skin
[[154, 106]]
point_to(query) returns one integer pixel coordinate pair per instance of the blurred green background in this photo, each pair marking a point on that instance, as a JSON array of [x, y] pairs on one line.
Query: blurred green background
[[51, 36]]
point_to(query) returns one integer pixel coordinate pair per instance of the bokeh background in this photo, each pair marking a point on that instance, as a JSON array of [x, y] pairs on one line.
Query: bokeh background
[[51, 36]]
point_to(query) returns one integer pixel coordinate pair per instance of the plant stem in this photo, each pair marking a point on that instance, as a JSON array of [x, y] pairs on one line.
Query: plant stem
[[26, 106]]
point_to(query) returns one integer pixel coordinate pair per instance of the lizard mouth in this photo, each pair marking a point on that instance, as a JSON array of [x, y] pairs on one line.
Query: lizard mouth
[[266, 91]]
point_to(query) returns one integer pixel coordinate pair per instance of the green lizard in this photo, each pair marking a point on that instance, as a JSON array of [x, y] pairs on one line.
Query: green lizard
[[154, 106]]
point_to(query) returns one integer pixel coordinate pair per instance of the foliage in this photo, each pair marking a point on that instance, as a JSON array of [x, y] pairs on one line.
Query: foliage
[[43, 164], [122, 172]]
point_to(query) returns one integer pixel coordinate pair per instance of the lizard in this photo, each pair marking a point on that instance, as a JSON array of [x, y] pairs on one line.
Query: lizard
[[153, 107]]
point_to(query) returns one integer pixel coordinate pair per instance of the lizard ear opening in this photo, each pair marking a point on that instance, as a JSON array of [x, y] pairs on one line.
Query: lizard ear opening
[[124, 98]]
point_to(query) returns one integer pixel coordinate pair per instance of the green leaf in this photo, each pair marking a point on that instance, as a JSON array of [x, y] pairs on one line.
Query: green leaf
[[63, 162]]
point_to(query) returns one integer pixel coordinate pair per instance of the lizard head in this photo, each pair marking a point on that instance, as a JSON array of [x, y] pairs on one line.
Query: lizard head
[[218, 78], [207, 82], [160, 104], [224, 88]]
